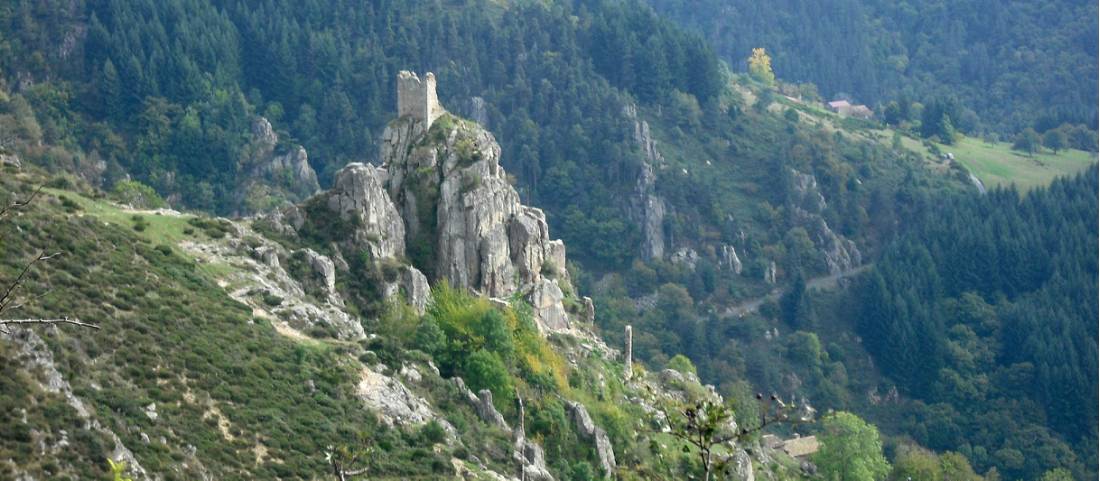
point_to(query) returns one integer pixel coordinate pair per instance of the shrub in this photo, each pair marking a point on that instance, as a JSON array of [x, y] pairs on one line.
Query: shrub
[[485, 370], [136, 194], [682, 364]]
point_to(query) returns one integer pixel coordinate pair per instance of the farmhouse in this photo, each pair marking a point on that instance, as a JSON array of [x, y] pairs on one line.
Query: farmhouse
[[846, 109]]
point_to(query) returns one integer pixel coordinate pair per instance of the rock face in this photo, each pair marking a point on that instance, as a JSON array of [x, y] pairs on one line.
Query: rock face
[[358, 198], [647, 208], [742, 466], [414, 285], [807, 203], [482, 403], [442, 201], [728, 259], [464, 221], [594, 434], [321, 277], [273, 178], [395, 403], [10, 160]]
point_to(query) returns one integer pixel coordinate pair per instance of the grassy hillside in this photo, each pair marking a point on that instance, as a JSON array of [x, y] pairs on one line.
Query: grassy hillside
[[996, 164], [197, 385]]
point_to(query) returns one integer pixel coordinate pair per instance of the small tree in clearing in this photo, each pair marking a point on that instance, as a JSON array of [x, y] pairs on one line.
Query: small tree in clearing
[[760, 67]]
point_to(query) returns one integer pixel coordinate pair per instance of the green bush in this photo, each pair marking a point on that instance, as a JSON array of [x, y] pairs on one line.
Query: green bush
[[136, 194]]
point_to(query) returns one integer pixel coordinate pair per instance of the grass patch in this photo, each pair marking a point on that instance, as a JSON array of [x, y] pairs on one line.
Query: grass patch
[[996, 164]]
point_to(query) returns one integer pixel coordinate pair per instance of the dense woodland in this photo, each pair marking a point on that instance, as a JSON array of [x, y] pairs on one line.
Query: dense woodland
[[1011, 65], [986, 311], [980, 310]]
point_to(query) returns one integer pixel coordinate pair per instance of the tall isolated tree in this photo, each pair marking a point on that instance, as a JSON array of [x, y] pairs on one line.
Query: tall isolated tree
[[850, 450], [760, 66]]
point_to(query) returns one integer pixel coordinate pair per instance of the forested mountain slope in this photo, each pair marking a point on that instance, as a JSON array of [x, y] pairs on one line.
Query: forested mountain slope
[[1014, 64], [681, 190], [986, 311]]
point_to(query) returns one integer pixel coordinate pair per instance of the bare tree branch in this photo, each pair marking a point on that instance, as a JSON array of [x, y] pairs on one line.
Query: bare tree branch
[[8, 297], [19, 204], [63, 320]]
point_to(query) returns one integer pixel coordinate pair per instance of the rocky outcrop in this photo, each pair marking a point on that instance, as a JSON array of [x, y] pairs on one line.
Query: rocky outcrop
[[303, 303], [686, 257], [320, 276], [442, 200], [594, 434], [413, 286], [728, 259], [482, 404], [394, 403], [272, 178], [10, 160], [647, 209], [533, 461], [807, 204], [358, 198], [32, 353], [771, 273], [546, 299], [457, 204], [742, 466]]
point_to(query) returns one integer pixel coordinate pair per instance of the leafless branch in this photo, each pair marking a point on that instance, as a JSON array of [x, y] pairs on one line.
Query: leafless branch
[[63, 320], [8, 299], [19, 204]]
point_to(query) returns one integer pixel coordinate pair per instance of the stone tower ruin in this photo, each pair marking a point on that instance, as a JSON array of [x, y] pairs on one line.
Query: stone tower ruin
[[416, 98]]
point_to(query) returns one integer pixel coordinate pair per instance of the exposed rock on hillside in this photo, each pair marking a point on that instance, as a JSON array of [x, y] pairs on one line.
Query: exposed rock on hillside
[[594, 434], [358, 198], [464, 220], [728, 259], [273, 178], [442, 201], [646, 207], [36, 357], [261, 282], [840, 254]]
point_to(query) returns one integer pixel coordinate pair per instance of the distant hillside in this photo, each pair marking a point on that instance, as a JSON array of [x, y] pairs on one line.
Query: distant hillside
[[1014, 64]]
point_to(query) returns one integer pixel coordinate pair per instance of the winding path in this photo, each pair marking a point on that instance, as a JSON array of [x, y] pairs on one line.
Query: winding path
[[815, 284]]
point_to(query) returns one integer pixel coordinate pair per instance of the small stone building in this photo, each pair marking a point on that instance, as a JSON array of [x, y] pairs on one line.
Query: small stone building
[[416, 98]]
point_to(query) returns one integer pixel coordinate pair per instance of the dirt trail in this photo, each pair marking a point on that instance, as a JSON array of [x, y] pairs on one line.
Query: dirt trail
[[815, 284]]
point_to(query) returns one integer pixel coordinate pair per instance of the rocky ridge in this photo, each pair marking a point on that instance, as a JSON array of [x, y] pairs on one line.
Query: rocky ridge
[[441, 205]]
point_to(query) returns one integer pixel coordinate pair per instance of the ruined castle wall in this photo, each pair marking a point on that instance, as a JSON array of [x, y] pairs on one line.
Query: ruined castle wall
[[416, 98]]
